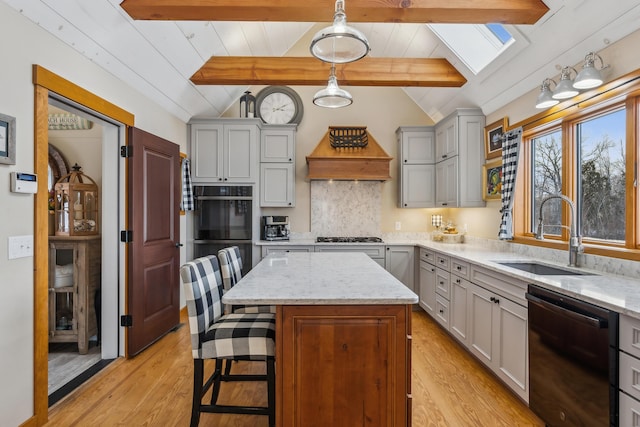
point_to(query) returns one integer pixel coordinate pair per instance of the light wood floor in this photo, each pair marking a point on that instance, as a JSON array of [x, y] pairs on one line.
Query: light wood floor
[[450, 388]]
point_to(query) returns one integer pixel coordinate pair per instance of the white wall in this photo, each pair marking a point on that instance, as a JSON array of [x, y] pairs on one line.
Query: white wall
[[26, 44]]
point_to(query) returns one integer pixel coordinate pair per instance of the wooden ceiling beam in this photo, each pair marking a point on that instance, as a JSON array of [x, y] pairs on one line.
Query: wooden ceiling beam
[[399, 11], [309, 71]]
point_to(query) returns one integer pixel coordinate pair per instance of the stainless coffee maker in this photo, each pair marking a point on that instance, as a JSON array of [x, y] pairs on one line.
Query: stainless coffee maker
[[275, 228]]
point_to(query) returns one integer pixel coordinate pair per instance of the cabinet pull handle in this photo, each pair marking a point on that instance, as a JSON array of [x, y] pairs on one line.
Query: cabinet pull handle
[[444, 204], [458, 268], [458, 281], [444, 156]]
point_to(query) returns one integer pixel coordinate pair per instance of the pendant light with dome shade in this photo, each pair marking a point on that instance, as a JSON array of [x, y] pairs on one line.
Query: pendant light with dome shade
[[564, 89], [545, 98], [339, 43], [590, 77], [332, 96]]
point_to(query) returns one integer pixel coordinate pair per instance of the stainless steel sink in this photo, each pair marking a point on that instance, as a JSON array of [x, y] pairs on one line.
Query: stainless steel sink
[[543, 269]]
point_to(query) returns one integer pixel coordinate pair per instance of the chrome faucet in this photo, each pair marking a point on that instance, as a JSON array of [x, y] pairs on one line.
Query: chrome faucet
[[575, 241]]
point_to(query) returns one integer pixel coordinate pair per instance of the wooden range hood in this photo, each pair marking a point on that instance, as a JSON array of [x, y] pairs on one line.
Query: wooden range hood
[[368, 163]]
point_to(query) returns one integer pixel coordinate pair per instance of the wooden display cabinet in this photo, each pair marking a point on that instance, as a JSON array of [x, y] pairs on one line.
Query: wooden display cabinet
[[74, 279]]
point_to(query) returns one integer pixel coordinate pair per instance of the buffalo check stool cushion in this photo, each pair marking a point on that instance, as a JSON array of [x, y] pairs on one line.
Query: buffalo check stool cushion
[[249, 336], [231, 270]]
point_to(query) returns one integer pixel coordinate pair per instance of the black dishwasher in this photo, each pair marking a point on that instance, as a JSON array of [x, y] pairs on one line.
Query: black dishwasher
[[573, 360]]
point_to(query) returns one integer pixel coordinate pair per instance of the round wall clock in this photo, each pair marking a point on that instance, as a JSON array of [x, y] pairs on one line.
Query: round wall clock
[[278, 105]]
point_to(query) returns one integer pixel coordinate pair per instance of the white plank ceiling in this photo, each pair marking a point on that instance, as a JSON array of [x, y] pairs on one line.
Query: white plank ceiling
[[158, 58]]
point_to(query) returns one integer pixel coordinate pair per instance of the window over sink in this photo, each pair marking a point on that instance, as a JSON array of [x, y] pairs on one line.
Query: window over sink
[[588, 156]]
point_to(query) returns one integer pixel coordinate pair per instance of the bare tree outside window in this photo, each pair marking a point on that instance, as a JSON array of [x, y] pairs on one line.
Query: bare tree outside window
[[547, 179], [601, 205]]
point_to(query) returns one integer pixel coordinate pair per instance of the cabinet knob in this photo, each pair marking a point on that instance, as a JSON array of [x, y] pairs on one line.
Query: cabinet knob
[[441, 311], [289, 203], [444, 204], [290, 160], [405, 160], [458, 268]]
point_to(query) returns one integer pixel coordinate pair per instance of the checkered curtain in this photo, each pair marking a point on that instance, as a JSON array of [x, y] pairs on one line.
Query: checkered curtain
[[510, 153], [187, 203]]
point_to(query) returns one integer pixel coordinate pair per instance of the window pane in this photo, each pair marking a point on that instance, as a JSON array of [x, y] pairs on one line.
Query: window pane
[[547, 180], [601, 144]]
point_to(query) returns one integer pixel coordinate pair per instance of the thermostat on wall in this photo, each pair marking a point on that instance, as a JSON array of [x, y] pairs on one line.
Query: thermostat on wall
[[24, 182]]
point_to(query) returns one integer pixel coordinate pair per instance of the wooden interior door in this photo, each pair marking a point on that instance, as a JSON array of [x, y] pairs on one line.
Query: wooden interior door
[[153, 284]]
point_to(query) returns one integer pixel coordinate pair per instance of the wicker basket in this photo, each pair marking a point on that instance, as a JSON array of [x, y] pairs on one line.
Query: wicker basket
[[348, 137]]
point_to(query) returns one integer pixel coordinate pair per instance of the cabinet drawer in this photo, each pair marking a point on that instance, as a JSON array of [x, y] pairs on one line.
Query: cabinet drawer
[[443, 283], [504, 285], [629, 375], [443, 261], [372, 251], [460, 268], [428, 256], [442, 311], [266, 250], [630, 335], [629, 411]]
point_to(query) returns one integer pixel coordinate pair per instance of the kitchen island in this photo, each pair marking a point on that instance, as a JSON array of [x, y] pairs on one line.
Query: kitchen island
[[343, 331]]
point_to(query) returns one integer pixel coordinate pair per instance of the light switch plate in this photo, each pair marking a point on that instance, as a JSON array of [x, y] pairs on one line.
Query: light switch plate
[[20, 246]]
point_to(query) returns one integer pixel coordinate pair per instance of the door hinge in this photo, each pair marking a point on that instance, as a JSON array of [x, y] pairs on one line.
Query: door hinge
[[126, 320], [126, 151], [126, 236]]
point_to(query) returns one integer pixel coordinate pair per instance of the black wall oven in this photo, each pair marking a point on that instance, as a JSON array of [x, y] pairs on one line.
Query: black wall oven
[[223, 217], [573, 360]]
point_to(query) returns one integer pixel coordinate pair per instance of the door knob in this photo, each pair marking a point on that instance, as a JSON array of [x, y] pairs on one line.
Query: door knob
[[178, 245]]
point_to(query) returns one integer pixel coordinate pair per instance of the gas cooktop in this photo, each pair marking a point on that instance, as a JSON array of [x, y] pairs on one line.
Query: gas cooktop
[[366, 239]]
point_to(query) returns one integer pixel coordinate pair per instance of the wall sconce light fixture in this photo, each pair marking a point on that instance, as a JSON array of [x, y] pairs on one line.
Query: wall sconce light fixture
[[588, 78], [545, 98]]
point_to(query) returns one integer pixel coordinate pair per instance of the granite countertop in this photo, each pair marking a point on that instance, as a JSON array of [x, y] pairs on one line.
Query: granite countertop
[[615, 292], [318, 278]]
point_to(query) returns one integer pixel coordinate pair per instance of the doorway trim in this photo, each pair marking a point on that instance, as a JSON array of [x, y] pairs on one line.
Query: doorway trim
[[44, 82]]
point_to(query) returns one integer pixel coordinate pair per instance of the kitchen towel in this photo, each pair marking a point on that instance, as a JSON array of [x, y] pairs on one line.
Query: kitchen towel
[[187, 189]]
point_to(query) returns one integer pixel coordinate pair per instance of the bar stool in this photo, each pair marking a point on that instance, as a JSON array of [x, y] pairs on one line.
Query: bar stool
[[231, 269], [234, 336]]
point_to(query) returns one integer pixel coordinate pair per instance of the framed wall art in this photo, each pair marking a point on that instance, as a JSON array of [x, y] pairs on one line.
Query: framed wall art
[[493, 138], [492, 180], [7, 140]]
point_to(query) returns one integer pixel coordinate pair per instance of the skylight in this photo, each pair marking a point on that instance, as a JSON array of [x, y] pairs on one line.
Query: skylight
[[476, 45]]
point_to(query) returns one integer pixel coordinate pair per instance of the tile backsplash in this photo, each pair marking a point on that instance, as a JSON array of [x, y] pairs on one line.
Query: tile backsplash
[[346, 208]]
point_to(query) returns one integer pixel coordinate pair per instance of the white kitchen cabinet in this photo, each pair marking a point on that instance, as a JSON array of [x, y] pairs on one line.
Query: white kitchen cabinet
[[417, 186], [416, 153], [277, 185], [629, 371], [399, 261], [460, 136], [447, 179], [278, 144], [224, 151], [458, 301], [446, 138], [498, 336], [277, 166], [427, 284]]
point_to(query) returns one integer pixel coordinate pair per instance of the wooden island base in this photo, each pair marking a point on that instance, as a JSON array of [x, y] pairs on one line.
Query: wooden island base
[[343, 365]]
